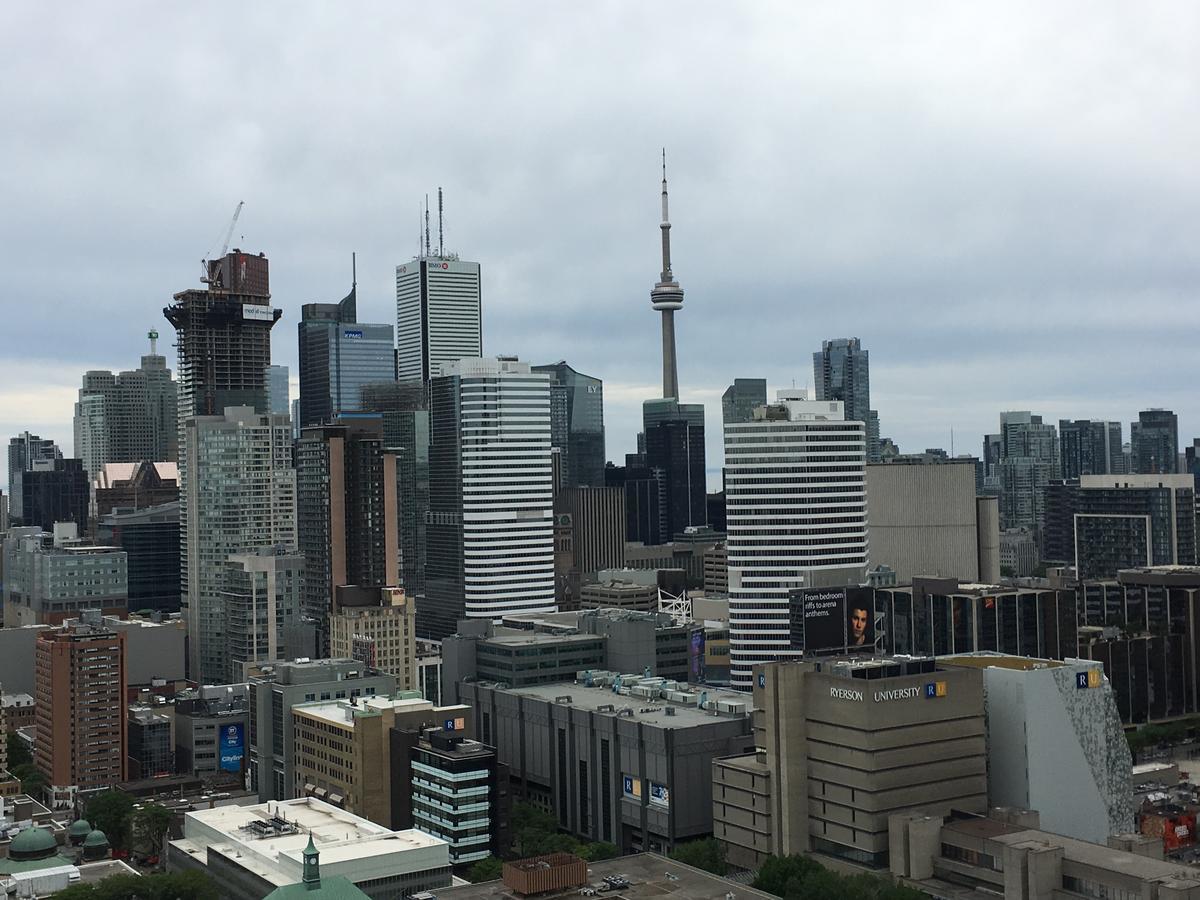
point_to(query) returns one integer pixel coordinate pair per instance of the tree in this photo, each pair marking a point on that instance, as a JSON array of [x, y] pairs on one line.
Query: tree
[[18, 752], [598, 850], [110, 812], [148, 826], [703, 854], [31, 778], [189, 885], [485, 870], [777, 871]]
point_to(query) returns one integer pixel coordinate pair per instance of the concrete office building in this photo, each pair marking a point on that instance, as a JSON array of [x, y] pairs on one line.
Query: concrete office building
[[19, 711], [378, 627], [490, 543], [797, 517], [23, 450], [55, 491], [1090, 448], [1006, 854], [925, 520], [241, 496], [576, 425], [82, 739], [619, 595], [261, 598], [49, 578], [1055, 744], [597, 516], [1104, 523], [842, 746], [211, 726], [338, 355], [1155, 439], [127, 417], [1018, 553], [279, 687], [155, 651], [347, 514], [3, 512], [631, 767], [438, 314], [150, 539], [342, 749], [253, 851], [533, 650], [279, 391], [742, 398]]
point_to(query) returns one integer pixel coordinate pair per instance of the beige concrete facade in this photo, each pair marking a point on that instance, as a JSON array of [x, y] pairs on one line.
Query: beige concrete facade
[[841, 747], [386, 632]]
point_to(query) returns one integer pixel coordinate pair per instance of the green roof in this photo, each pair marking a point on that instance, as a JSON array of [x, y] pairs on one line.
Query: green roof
[[334, 887], [96, 839], [80, 828], [32, 842]]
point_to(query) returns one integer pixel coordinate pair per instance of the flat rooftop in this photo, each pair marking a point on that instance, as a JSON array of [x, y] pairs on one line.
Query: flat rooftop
[[647, 710], [341, 837], [335, 710], [515, 637], [649, 875]]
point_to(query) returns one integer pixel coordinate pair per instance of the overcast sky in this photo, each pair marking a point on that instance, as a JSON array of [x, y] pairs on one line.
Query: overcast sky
[[1001, 203]]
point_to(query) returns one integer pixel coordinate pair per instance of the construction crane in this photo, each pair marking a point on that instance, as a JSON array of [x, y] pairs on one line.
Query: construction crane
[[206, 278]]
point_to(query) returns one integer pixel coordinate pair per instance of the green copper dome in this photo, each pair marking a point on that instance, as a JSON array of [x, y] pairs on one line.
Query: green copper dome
[[32, 843], [96, 839], [80, 828]]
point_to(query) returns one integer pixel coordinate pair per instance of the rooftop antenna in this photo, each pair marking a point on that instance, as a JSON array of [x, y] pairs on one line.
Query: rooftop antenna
[[952, 442], [441, 248], [353, 270], [426, 224], [418, 231]]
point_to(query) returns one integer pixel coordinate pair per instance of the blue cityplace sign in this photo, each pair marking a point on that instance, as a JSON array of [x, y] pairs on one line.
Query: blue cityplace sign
[[232, 747]]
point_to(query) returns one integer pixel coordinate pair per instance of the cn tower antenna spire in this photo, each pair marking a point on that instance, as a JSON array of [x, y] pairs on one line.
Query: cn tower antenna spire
[[666, 297]]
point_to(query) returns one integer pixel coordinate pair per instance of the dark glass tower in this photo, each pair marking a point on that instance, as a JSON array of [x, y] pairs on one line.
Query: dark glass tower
[[1089, 448], [675, 456], [576, 425], [1155, 438], [55, 491], [842, 371], [743, 397], [338, 356]]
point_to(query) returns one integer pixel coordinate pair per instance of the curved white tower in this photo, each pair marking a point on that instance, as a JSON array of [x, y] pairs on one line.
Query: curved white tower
[[667, 297]]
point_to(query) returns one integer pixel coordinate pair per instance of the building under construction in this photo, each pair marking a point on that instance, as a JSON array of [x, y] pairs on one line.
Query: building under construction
[[224, 336]]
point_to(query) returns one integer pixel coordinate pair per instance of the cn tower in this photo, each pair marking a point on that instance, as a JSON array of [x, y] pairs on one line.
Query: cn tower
[[667, 297]]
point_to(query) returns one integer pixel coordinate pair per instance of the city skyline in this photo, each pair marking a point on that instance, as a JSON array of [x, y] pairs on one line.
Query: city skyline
[[1035, 198]]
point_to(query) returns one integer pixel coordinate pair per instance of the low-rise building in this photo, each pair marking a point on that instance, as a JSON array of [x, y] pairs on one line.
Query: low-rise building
[[151, 744], [378, 627], [618, 758], [275, 689], [343, 751], [843, 744], [253, 850], [619, 595], [211, 725], [49, 578], [1006, 854], [20, 710]]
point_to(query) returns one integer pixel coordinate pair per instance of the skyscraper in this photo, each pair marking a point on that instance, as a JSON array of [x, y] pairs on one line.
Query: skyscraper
[[261, 596], [490, 543], [129, 416], [240, 497], [346, 498], [79, 685], [741, 399], [576, 424], [1155, 437], [224, 337], [1028, 462], [404, 411], [796, 506], [22, 451], [666, 297], [55, 490], [338, 355], [1089, 448], [438, 314], [675, 455], [842, 371], [279, 391]]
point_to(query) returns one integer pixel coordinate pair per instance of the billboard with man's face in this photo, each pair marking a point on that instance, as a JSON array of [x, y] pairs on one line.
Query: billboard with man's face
[[830, 620]]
